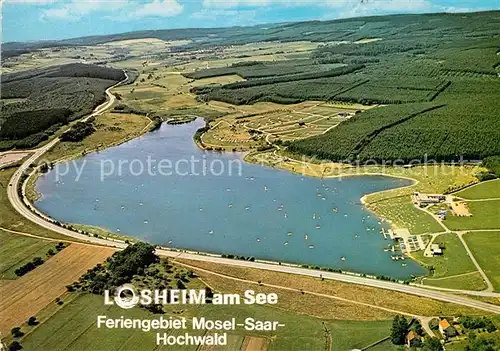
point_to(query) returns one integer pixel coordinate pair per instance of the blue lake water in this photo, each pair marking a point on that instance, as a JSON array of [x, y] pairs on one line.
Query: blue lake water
[[264, 212]]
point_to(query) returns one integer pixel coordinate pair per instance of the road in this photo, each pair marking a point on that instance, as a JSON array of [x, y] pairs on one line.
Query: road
[[17, 202]]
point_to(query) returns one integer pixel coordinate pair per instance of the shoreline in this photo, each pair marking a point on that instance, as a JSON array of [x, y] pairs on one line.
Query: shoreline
[[242, 156]]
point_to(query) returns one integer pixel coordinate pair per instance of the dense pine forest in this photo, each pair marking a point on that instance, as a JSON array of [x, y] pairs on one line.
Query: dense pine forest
[[46, 99], [436, 79]]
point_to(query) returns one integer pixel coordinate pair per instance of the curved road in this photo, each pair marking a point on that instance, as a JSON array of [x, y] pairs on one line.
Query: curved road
[[17, 202]]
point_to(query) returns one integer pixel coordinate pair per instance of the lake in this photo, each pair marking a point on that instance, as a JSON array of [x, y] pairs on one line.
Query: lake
[[215, 202]]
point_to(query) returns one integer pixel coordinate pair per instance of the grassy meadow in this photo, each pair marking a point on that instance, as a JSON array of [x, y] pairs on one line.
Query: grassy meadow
[[454, 260], [485, 190], [17, 250], [73, 326], [111, 129], [485, 215], [485, 247]]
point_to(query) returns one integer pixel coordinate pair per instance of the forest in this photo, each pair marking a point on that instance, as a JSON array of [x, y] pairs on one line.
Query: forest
[[436, 77], [48, 98], [461, 123]]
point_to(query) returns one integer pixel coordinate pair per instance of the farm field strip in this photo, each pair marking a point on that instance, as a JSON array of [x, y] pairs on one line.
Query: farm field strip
[[27, 295], [16, 250]]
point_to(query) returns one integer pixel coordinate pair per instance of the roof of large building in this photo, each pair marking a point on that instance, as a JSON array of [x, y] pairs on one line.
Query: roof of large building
[[428, 197]]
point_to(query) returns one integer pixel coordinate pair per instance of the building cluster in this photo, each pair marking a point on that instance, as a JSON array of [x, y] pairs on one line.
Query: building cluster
[[446, 330], [423, 200]]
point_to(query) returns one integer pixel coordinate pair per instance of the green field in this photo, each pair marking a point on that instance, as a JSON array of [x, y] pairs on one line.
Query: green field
[[74, 327], [454, 260], [16, 250], [485, 215], [472, 281], [485, 190], [485, 247], [403, 214]]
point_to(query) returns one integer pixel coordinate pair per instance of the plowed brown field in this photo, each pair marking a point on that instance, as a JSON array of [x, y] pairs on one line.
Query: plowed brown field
[[24, 297]]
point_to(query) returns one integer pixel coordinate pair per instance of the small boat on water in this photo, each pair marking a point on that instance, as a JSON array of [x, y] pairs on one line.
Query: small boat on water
[[306, 237], [342, 258], [146, 221], [289, 233], [211, 232], [286, 243], [258, 240], [247, 208], [286, 215], [311, 246], [318, 226], [265, 187], [118, 230], [201, 209], [170, 242], [335, 209], [230, 205]]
